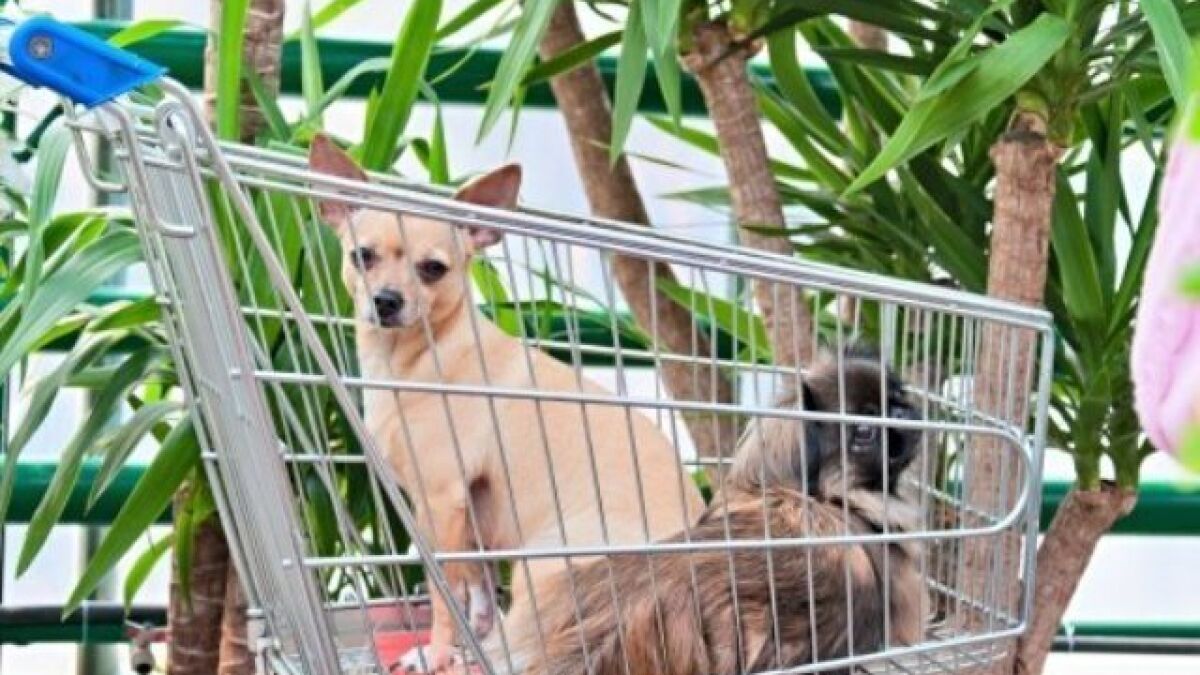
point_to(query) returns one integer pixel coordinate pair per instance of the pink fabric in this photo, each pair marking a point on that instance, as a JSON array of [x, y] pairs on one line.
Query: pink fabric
[[1166, 341]]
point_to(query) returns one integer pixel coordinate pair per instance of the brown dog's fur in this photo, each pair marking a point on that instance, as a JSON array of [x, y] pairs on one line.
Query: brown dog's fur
[[679, 614], [438, 336]]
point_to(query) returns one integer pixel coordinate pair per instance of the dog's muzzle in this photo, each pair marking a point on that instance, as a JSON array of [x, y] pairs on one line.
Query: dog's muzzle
[[388, 306]]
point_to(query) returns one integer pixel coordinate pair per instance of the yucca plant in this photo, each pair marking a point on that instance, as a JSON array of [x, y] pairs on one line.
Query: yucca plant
[[120, 351], [714, 41], [994, 94]]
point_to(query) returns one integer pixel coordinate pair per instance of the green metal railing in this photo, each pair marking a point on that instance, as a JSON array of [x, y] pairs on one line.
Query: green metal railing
[[1162, 510], [466, 72]]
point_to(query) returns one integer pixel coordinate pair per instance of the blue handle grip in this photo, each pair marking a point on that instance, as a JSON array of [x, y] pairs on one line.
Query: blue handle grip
[[46, 53]]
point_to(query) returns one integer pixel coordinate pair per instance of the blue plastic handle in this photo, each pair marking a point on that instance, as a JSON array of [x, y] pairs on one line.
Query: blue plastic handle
[[46, 53]]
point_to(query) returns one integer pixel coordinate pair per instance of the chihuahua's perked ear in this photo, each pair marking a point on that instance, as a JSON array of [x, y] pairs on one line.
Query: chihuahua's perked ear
[[498, 188], [324, 156]]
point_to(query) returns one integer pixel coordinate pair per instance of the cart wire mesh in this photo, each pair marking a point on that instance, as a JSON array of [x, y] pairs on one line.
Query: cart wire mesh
[[339, 561]]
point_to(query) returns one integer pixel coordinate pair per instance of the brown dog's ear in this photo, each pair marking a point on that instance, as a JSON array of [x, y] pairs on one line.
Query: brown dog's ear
[[326, 157], [497, 188]]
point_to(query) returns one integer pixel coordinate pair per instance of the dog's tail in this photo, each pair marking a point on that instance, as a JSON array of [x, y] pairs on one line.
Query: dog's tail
[[620, 620]]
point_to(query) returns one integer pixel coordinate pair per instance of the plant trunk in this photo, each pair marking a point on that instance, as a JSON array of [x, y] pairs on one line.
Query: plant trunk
[[236, 657], [1082, 519], [1026, 163], [719, 64], [211, 638], [260, 53], [612, 193], [195, 617], [869, 36]]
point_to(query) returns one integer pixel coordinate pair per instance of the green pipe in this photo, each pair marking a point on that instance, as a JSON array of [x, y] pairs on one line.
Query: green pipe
[[1163, 509], [1183, 630], [181, 51], [98, 623], [1125, 637], [33, 480]]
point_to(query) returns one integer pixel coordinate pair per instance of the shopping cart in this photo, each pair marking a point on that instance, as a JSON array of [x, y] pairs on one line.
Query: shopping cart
[[326, 542]]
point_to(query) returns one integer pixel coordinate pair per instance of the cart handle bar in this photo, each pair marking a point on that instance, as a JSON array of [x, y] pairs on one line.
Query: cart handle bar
[[42, 52]]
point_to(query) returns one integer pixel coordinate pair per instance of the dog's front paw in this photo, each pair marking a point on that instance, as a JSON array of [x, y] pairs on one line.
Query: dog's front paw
[[429, 658], [482, 609]]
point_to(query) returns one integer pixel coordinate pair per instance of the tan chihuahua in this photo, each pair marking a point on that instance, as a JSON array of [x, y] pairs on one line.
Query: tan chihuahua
[[417, 322]]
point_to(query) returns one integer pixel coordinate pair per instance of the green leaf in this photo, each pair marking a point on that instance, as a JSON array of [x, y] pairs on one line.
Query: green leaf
[[709, 197], [60, 240], [64, 289], [230, 36], [143, 30], [659, 18], [1001, 72], [185, 537], [439, 162], [1174, 47], [953, 248], [959, 62], [41, 397], [886, 15], [873, 58], [947, 74], [268, 103], [128, 315], [325, 16], [515, 61], [105, 406], [143, 566], [310, 65], [1189, 282], [320, 513], [491, 288], [1189, 448], [387, 118], [196, 510], [729, 317], [488, 281], [570, 59], [1105, 190], [1139, 253], [708, 143], [52, 155], [869, 91], [828, 174], [631, 75], [176, 458], [796, 88], [337, 91], [1078, 272], [119, 443], [466, 17]]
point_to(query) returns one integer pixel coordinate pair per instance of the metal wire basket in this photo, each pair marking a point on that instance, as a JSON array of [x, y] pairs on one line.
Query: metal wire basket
[[335, 555]]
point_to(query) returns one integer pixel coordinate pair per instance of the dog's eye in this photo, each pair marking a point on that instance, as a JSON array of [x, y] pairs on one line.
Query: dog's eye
[[363, 258], [431, 270]]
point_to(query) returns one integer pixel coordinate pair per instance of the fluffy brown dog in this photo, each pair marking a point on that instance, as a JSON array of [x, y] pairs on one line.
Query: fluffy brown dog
[[507, 469], [682, 614]]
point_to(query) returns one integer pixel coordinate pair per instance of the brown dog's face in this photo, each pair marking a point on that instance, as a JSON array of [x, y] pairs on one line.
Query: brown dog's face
[[401, 270], [868, 390]]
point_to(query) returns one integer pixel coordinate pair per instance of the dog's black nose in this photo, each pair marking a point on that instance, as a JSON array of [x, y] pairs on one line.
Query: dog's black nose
[[387, 306]]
